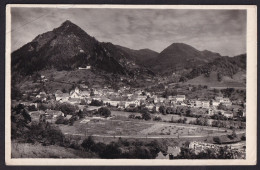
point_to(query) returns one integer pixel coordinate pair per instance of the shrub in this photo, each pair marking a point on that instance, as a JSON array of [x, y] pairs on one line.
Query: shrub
[[104, 111], [157, 118], [131, 116], [62, 120], [96, 103], [217, 140], [88, 143], [243, 137], [146, 116], [111, 151]]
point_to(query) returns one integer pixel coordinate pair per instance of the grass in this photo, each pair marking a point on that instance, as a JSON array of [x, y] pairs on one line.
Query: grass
[[27, 150], [105, 127]]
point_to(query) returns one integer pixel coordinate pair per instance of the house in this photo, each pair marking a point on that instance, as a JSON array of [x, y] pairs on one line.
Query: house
[[85, 93], [68, 117], [198, 103], [58, 92], [215, 103], [171, 97], [180, 98], [54, 113], [150, 106], [74, 100], [62, 97], [114, 103], [75, 95], [228, 114], [219, 99], [140, 97], [93, 109], [121, 105], [85, 68], [192, 103], [161, 99], [150, 100], [210, 111], [205, 104]]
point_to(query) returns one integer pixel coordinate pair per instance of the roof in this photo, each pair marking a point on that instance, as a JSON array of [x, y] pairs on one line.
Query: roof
[[58, 92], [181, 96], [68, 116], [74, 100], [63, 95], [54, 112]]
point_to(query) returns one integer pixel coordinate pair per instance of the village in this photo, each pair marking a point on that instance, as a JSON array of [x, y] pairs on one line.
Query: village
[[126, 98]]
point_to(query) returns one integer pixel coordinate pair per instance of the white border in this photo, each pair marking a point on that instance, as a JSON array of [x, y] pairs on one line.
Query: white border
[[251, 131]]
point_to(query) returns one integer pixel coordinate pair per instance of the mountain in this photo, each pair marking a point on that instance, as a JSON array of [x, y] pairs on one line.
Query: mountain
[[180, 56], [224, 69], [69, 47], [140, 56]]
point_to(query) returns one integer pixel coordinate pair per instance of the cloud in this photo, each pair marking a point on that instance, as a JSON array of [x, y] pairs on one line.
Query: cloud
[[222, 31]]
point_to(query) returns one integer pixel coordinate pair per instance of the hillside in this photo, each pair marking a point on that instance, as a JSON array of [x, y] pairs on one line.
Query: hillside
[[225, 66], [224, 71], [213, 82], [141, 56], [27, 150], [180, 56], [69, 47]]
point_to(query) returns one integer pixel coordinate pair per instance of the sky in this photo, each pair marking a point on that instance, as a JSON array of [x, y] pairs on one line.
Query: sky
[[222, 31]]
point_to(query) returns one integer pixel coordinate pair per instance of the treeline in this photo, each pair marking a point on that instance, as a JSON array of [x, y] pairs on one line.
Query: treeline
[[123, 149]]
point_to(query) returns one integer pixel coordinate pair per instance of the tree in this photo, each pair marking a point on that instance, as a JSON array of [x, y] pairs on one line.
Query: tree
[[88, 143], [217, 140], [67, 109], [162, 109], [20, 120], [222, 107], [92, 92], [243, 137], [111, 151], [62, 120], [96, 103], [104, 111], [131, 116], [169, 110], [188, 112], [64, 90], [157, 118], [146, 116], [219, 77]]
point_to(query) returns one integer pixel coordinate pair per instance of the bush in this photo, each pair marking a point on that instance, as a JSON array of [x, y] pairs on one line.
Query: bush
[[67, 109], [243, 137], [45, 133], [146, 116], [96, 103], [88, 143], [20, 120], [217, 140], [104, 111], [162, 110], [62, 120], [131, 116], [157, 118], [111, 151]]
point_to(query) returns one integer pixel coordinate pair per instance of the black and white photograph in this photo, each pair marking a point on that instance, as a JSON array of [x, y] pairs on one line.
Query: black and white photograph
[[131, 83]]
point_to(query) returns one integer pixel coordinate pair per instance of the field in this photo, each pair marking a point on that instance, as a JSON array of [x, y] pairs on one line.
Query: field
[[120, 126]]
